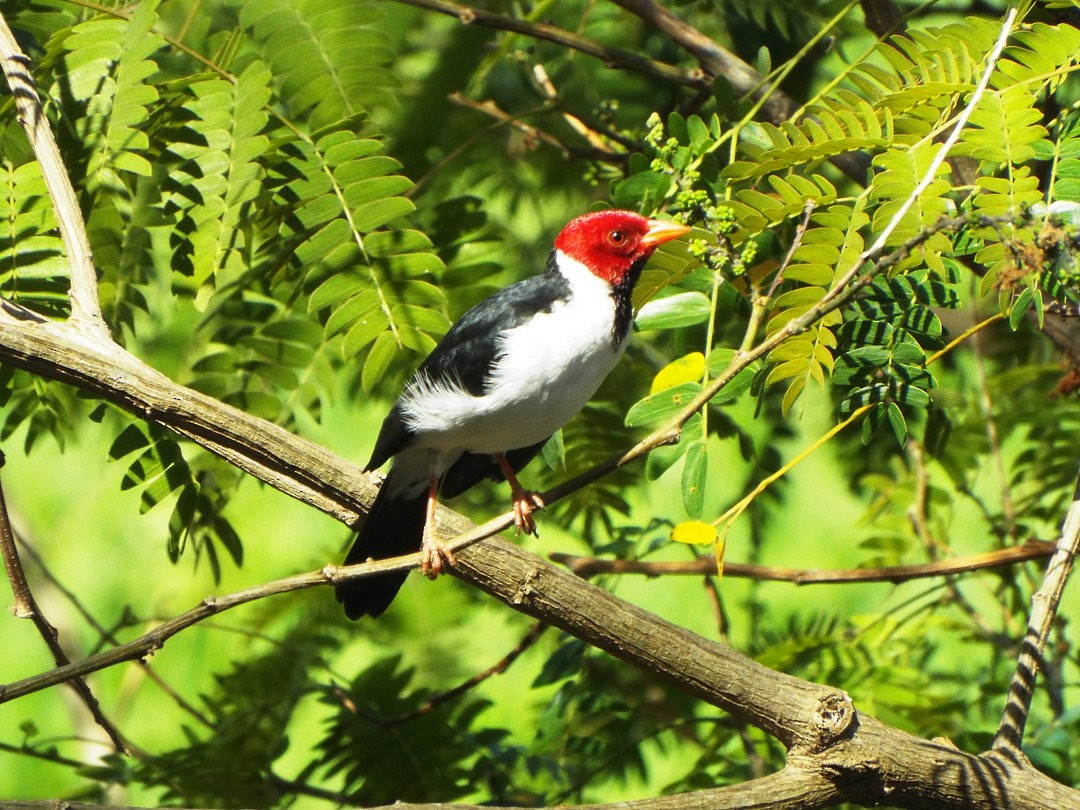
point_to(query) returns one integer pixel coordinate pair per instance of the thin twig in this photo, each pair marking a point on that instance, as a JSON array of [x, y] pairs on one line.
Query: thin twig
[[956, 341], [492, 110], [26, 607], [943, 152], [759, 304], [1044, 605], [990, 560], [800, 233], [154, 639], [732, 514], [107, 635], [85, 306], [47, 754], [745, 81]]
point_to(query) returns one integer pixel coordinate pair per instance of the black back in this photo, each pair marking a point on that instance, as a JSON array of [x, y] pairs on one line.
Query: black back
[[466, 355]]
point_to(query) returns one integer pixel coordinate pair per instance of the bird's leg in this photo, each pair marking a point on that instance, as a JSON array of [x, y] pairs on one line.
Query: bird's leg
[[525, 500], [436, 556]]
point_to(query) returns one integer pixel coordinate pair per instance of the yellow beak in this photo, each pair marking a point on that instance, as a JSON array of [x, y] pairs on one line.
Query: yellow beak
[[660, 232]]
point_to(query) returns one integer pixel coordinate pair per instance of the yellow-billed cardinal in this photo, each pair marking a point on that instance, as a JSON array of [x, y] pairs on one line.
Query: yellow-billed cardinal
[[510, 373]]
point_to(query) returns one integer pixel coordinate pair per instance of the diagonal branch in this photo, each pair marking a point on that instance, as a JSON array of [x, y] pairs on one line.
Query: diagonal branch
[[85, 307], [713, 58], [26, 607], [1044, 605], [615, 57], [820, 727]]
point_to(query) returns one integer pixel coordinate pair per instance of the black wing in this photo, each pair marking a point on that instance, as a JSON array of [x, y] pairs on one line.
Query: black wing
[[472, 468], [468, 351]]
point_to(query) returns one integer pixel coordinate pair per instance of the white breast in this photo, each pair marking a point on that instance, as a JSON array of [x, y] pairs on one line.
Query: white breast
[[548, 369]]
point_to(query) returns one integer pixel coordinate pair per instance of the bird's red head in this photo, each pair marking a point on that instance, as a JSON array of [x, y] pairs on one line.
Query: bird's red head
[[610, 242]]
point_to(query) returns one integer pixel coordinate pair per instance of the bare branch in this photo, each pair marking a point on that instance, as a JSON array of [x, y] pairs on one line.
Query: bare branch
[[154, 639], [1044, 605], [500, 116], [714, 59], [705, 566], [26, 607], [106, 635], [614, 57]]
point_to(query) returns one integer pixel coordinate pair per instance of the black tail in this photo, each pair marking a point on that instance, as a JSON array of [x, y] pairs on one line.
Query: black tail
[[395, 526]]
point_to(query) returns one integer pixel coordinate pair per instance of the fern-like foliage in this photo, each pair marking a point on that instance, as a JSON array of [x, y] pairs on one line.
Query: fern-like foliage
[[159, 468], [219, 177], [278, 369], [104, 64], [373, 283], [247, 710], [418, 759], [32, 267], [329, 62]]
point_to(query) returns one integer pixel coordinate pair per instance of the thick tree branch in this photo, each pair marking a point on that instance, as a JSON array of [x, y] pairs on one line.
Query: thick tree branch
[[824, 733], [297, 467]]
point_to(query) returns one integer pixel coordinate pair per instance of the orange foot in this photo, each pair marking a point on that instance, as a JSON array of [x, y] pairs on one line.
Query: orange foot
[[525, 501], [436, 557]]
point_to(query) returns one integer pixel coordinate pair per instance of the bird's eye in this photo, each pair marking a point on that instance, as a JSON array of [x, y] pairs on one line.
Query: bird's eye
[[617, 238]]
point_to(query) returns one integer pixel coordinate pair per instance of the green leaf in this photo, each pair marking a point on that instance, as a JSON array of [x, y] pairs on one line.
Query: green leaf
[[378, 361], [644, 191], [1020, 307], [658, 407], [897, 423], [694, 478], [675, 311]]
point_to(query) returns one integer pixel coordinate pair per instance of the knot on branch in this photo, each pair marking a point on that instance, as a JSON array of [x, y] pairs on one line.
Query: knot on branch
[[831, 720], [527, 587]]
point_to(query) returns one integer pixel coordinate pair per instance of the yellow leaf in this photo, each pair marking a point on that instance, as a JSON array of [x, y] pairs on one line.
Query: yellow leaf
[[694, 532], [690, 368]]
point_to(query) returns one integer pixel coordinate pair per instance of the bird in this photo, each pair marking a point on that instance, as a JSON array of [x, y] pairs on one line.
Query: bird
[[506, 376]]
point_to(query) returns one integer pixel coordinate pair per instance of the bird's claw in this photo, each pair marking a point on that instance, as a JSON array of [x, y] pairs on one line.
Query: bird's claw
[[525, 501], [436, 557]]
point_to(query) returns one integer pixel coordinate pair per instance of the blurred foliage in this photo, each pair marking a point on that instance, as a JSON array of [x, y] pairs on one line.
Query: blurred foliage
[[289, 201]]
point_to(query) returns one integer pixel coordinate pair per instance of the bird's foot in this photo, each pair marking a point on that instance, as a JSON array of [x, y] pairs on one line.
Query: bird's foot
[[436, 557], [525, 501]]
